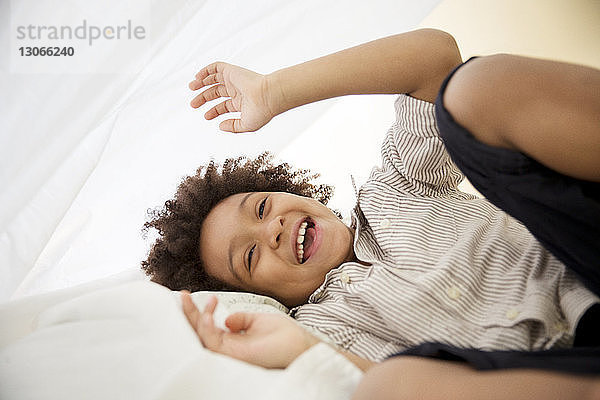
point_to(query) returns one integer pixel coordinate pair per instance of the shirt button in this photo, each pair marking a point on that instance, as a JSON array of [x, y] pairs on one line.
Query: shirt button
[[345, 277], [453, 292], [561, 327], [512, 313], [385, 223]]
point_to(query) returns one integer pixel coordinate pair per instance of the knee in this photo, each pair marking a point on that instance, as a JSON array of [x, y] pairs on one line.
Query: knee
[[475, 99], [374, 384], [387, 380]]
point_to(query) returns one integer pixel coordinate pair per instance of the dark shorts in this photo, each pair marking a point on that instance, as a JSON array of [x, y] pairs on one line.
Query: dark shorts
[[563, 213], [579, 360]]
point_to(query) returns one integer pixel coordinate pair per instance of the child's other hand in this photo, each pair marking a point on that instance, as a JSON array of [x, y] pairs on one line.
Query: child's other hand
[[248, 93], [267, 340]]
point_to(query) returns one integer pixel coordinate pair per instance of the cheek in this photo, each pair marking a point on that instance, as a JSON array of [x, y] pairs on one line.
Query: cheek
[[273, 270], [276, 274]]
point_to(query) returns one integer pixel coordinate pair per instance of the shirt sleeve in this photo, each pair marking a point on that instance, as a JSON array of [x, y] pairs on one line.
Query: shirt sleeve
[[414, 158], [343, 335], [331, 375]]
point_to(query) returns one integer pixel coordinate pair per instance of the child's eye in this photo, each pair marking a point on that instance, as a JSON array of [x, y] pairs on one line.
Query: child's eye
[[250, 253], [261, 208]]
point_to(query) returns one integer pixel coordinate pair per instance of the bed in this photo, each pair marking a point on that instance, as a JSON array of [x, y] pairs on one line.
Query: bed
[[124, 340], [85, 152]]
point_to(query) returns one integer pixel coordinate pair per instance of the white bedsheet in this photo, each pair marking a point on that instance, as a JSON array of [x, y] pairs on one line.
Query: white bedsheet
[[132, 341], [83, 156]]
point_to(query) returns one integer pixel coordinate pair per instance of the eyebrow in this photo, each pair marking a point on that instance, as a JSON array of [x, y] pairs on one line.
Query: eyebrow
[[231, 269], [244, 200]]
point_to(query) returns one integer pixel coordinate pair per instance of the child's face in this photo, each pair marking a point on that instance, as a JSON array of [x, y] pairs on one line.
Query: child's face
[[267, 226]]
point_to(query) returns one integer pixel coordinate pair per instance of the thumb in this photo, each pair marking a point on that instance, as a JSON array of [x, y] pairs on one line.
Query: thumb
[[232, 125], [239, 322]]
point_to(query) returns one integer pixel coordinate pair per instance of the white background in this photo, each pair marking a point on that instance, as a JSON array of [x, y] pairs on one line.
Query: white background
[[83, 156]]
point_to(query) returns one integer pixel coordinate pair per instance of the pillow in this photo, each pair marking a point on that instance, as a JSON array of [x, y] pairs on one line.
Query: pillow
[[242, 301], [232, 302]]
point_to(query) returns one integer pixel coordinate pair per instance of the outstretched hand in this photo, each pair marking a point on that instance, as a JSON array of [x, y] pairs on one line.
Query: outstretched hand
[[248, 93], [267, 340]]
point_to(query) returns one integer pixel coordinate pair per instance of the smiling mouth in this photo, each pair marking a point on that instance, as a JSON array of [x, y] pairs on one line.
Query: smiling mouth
[[305, 238]]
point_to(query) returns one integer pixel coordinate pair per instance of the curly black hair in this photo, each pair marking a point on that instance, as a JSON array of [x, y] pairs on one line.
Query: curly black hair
[[174, 260]]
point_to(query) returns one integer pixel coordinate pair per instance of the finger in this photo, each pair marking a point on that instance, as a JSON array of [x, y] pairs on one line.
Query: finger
[[212, 79], [190, 310], [220, 109], [209, 334], [239, 322], [232, 125], [208, 70], [211, 305], [206, 81], [208, 95]]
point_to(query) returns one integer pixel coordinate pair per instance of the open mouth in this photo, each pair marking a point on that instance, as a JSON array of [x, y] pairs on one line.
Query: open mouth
[[305, 238]]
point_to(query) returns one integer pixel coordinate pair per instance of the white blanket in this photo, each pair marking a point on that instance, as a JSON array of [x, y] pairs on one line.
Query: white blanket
[[82, 156], [132, 341]]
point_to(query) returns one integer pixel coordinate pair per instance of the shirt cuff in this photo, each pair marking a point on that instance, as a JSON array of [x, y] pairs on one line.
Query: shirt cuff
[[332, 376]]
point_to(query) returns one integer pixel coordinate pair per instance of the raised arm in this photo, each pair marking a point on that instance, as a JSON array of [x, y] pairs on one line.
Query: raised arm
[[414, 63]]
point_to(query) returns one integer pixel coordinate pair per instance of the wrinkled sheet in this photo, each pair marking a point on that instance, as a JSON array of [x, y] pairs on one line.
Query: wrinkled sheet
[[83, 156], [131, 340]]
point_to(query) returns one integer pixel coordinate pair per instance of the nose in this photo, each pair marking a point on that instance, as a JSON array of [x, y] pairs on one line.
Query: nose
[[272, 232]]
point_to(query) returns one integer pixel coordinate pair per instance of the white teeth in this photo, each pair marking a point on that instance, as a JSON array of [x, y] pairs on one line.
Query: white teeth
[[300, 241]]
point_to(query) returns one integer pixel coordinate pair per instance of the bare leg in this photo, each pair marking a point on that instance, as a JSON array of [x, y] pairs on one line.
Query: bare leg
[[541, 110], [545, 109], [414, 378]]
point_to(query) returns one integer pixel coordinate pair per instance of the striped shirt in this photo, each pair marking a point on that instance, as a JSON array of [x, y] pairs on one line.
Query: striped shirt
[[439, 265]]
